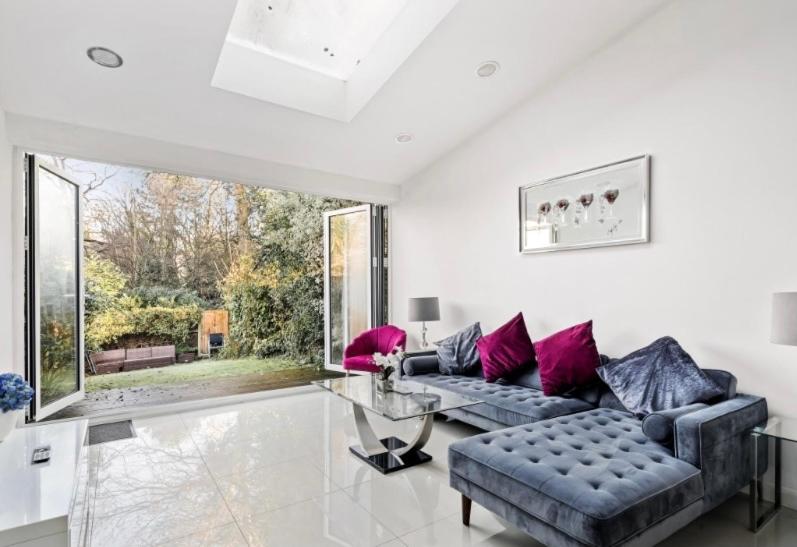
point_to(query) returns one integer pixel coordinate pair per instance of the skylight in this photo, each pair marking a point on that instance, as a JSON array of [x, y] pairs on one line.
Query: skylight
[[324, 57], [327, 36]]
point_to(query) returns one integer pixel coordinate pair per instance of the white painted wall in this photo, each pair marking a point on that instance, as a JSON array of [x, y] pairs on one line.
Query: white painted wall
[[6, 246], [707, 88]]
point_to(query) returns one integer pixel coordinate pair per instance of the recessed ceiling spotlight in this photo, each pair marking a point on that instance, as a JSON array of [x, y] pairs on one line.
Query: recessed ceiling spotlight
[[104, 57], [487, 69], [403, 138]]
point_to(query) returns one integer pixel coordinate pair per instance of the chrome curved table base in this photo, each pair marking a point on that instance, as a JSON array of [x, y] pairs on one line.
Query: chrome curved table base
[[390, 454]]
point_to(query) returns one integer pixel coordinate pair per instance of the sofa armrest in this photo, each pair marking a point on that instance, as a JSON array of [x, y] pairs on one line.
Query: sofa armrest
[[420, 364], [717, 440]]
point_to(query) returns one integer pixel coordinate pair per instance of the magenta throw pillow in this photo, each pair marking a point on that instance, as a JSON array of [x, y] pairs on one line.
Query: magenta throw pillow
[[567, 359], [507, 350]]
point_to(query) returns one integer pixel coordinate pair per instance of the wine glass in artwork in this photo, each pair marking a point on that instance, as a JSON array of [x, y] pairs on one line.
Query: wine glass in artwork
[[562, 204], [585, 200], [610, 196], [543, 210]]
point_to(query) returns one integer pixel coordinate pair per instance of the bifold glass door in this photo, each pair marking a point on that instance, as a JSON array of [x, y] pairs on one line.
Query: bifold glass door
[[354, 280], [54, 314]]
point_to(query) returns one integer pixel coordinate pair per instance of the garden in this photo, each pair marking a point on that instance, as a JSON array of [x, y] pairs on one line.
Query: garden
[[161, 249]]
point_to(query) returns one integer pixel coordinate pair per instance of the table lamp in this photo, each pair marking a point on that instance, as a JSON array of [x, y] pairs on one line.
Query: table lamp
[[423, 310], [784, 318]]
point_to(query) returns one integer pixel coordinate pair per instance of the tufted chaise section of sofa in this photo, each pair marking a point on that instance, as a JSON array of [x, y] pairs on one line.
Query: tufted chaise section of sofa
[[580, 471]]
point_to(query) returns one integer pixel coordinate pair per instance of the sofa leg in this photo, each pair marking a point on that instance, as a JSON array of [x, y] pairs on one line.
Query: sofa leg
[[466, 503]]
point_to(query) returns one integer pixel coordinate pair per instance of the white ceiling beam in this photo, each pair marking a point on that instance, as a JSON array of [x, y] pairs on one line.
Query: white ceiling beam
[[39, 135]]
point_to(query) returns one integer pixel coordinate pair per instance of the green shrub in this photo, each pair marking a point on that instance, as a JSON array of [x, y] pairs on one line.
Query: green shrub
[[247, 296], [106, 328], [105, 284]]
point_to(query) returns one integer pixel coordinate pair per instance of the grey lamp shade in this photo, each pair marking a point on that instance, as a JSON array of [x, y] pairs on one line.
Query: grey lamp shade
[[784, 318], [424, 309]]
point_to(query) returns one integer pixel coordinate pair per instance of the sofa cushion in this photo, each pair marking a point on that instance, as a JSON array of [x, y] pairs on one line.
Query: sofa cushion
[[507, 404], [659, 426], [609, 400], [725, 380], [507, 350], [661, 376], [420, 364], [457, 354], [527, 378], [567, 359], [593, 475]]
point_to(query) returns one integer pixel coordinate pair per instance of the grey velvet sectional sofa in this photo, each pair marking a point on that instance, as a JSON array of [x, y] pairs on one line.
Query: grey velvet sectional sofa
[[582, 470]]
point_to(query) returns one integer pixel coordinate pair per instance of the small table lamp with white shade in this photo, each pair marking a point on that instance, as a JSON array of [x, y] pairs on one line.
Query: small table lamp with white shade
[[423, 310], [784, 318]]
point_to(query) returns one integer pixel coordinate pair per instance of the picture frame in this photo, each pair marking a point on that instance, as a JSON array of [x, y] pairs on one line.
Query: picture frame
[[602, 206]]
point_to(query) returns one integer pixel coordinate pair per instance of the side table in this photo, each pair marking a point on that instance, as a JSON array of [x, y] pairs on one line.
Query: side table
[[776, 430]]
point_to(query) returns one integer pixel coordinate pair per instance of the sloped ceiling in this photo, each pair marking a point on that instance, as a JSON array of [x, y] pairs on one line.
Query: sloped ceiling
[[163, 91]]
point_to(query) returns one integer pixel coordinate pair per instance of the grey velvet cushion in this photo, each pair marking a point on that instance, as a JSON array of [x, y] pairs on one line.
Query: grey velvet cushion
[[420, 364], [660, 376], [725, 380], [658, 426], [529, 377], [506, 404], [457, 354], [593, 475], [609, 400]]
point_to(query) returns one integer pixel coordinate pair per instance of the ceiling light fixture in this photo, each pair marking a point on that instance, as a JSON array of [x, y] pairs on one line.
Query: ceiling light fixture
[[403, 138], [487, 69], [104, 57]]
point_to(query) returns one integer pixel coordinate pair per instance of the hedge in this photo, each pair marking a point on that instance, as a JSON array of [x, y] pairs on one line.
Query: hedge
[[107, 327]]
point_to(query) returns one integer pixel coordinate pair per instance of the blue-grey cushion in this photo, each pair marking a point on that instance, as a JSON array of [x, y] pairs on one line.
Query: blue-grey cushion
[[457, 354], [419, 364], [506, 404], [660, 376], [658, 426], [609, 400], [593, 475], [725, 380], [529, 377]]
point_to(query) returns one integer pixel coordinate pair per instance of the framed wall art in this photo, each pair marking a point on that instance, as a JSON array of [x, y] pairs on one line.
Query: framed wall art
[[606, 205]]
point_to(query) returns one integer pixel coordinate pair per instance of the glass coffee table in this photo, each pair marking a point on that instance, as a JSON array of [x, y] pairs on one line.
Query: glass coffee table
[[778, 430], [405, 401]]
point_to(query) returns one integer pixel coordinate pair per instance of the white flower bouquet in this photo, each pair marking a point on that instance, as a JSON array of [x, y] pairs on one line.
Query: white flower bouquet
[[388, 363]]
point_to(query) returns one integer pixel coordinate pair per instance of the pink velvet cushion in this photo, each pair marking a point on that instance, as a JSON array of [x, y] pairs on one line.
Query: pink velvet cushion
[[507, 350], [567, 359]]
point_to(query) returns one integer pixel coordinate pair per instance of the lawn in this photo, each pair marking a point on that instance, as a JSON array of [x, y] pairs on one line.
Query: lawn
[[198, 371]]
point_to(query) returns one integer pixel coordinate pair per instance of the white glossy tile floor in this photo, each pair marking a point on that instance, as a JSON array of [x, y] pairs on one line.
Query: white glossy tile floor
[[278, 472]]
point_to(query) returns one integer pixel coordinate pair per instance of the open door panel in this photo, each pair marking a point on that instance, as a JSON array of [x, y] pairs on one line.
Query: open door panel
[[54, 289]]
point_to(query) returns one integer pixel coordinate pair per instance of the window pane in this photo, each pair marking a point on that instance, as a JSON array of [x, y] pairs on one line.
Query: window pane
[[349, 268], [58, 304]]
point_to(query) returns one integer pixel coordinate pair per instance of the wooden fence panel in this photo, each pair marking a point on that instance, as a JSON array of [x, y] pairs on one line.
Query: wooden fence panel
[[213, 322]]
